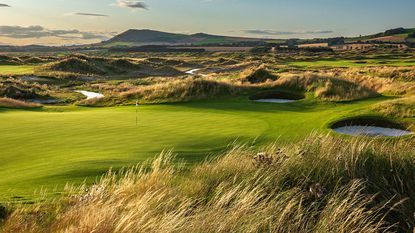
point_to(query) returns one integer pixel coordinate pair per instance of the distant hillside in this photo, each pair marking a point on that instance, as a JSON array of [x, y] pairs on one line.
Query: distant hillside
[[135, 37], [397, 35]]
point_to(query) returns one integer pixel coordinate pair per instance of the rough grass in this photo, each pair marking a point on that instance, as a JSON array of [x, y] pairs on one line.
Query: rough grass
[[403, 107], [12, 103], [181, 90], [322, 184], [326, 87]]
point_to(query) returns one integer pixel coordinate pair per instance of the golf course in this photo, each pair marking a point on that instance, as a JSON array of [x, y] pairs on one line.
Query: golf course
[[83, 143]]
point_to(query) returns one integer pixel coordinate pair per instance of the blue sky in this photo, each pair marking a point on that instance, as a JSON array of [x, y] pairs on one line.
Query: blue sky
[[254, 18]]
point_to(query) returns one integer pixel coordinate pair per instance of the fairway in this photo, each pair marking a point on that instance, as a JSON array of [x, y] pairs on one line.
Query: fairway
[[16, 69], [49, 147]]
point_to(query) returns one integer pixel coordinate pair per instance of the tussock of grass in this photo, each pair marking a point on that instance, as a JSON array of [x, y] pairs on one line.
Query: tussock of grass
[[12, 103], [181, 90], [320, 185]]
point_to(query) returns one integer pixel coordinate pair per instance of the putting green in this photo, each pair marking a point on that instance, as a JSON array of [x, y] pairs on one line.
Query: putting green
[[50, 147]]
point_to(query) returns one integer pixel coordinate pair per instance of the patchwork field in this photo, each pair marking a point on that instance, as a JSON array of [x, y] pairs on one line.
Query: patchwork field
[[56, 145]]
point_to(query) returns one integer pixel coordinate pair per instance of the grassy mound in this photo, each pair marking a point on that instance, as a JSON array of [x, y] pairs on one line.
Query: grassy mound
[[12, 103], [82, 64], [6, 60], [181, 90], [257, 75], [404, 107], [327, 88], [34, 60], [75, 65], [322, 184]]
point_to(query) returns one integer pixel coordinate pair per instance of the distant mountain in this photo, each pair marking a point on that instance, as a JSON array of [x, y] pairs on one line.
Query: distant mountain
[[151, 37]]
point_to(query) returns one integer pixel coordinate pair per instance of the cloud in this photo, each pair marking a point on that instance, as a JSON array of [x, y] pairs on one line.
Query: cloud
[[89, 14], [36, 32], [132, 4], [282, 33], [4, 5]]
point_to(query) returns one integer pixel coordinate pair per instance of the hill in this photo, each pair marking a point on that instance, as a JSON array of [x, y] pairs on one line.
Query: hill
[[134, 37], [396, 35]]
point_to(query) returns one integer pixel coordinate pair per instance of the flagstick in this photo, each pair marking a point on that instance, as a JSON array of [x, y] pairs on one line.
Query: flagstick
[[136, 112]]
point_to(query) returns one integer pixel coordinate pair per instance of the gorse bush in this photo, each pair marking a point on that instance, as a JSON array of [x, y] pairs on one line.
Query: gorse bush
[[322, 184]]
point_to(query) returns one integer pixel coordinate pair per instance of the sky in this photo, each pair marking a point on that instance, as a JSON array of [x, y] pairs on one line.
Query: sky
[[66, 22]]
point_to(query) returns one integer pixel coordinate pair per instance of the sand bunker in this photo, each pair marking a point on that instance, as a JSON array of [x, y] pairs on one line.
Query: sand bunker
[[370, 127], [90, 94], [276, 97], [193, 72], [371, 131], [281, 101]]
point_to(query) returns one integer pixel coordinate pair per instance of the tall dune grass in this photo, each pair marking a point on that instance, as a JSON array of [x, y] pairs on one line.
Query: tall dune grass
[[181, 90], [322, 184]]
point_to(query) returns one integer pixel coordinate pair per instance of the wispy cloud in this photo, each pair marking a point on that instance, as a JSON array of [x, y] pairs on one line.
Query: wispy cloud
[[4, 5], [132, 4], [35, 32], [282, 33], [89, 14]]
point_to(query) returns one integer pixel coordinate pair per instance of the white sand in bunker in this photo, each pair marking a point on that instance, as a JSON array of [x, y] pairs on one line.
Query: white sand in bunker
[[358, 130], [280, 101], [193, 72], [90, 94]]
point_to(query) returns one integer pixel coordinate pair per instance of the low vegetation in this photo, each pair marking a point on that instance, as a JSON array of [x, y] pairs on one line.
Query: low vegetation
[[322, 184]]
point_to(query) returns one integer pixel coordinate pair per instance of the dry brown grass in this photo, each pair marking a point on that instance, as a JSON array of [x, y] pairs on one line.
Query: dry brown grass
[[181, 90], [320, 185], [12, 103]]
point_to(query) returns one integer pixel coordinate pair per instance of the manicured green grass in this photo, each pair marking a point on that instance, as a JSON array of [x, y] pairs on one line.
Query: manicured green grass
[[353, 63], [16, 69], [56, 145]]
